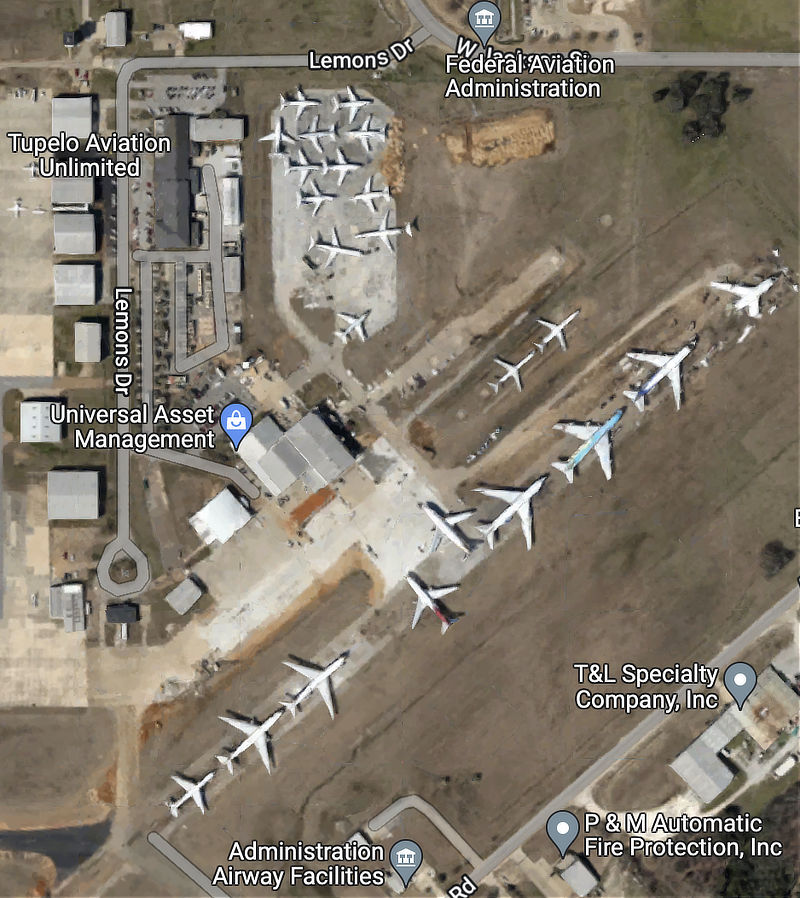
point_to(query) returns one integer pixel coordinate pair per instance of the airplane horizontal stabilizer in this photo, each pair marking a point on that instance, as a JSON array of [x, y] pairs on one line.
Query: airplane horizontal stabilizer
[[635, 397], [566, 469]]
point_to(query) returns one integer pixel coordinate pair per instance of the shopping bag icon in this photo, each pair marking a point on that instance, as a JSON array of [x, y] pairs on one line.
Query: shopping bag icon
[[236, 421]]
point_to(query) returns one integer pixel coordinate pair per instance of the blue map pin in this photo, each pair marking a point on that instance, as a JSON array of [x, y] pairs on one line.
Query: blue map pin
[[236, 419]]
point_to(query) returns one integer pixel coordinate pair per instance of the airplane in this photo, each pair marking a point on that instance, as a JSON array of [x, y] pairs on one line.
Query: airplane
[[520, 502], [369, 194], [668, 364], [39, 210], [333, 249], [314, 134], [353, 103], [366, 135], [342, 166], [319, 678], [300, 102], [384, 232], [595, 436], [303, 167], [316, 198], [429, 597], [17, 207], [256, 734], [193, 790], [278, 136], [447, 525], [748, 298], [512, 371], [33, 168], [556, 330], [354, 324]]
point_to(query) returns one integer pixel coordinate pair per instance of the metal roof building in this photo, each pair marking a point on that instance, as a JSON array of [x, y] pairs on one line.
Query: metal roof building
[[35, 424], [184, 596], [579, 878], [232, 273], [309, 451], [173, 195], [73, 495], [88, 341], [216, 130], [196, 31], [116, 23], [700, 766], [74, 234], [231, 203], [73, 115], [72, 191], [220, 518], [75, 285], [66, 603]]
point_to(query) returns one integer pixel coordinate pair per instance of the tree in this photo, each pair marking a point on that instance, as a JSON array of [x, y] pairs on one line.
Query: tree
[[774, 557]]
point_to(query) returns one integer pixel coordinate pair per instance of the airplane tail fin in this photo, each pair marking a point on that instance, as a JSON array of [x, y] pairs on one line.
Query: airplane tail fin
[[173, 808], [566, 469], [341, 335], [493, 385], [539, 346], [291, 705], [224, 759], [488, 531], [448, 622], [635, 398], [407, 228]]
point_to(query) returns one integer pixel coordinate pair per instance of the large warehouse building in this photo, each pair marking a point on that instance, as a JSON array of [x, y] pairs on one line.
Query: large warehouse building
[[75, 285], [73, 495]]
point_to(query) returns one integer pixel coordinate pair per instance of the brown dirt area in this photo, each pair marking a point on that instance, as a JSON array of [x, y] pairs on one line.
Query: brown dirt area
[[498, 142]]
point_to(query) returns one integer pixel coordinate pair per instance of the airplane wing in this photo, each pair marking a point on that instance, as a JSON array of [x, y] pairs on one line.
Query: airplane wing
[[186, 785], [197, 797], [324, 689], [458, 516], [243, 726], [526, 516], [439, 592], [263, 750], [303, 669], [675, 383], [437, 539], [581, 431], [651, 358], [603, 450], [387, 241], [506, 495], [417, 613]]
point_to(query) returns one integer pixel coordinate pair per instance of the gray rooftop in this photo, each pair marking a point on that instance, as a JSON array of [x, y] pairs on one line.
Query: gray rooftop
[[73, 495], [73, 116], [66, 603], [700, 766], [35, 424], [232, 273], [579, 878], [74, 234], [72, 191], [173, 197], [116, 23], [211, 130], [88, 341], [183, 597], [75, 285]]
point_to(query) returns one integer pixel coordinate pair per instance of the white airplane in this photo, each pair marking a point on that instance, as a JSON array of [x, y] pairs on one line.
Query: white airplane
[[519, 502], [748, 298], [17, 207], [314, 134], [333, 249], [353, 103], [595, 436], [32, 168], [430, 597], [668, 364], [446, 525], [193, 790], [342, 165], [278, 136], [366, 135], [316, 198], [39, 210], [369, 194], [384, 232], [300, 102], [303, 167], [556, 330], [256, 734], [512, 371], [319, 678], [354, 325]]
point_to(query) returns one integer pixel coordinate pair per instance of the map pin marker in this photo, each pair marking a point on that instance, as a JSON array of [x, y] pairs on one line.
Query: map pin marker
[[740, 680], [563, 828], [236, 419], [405, 857], [484, 19]]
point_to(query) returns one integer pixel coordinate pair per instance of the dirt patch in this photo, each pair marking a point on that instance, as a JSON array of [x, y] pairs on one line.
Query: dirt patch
[[422, 435], [306, 509], [522, 136], [393, 163], [107, 792]]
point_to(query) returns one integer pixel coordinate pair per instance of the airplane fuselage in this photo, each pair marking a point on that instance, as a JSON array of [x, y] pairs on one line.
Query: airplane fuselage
[[665, 370], [447, 529], [582, 451]]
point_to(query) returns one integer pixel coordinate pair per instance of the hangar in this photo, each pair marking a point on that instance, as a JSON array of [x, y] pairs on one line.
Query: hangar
[[220, 518], [75, 285], [73, 495]]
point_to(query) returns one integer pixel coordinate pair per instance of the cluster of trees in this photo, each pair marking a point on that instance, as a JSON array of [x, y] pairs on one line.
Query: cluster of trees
[[705, 97]]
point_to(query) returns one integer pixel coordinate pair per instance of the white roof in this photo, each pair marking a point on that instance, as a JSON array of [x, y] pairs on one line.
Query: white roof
[[220, 518], [116, 28], [72, 191], [35, 424], [203, 130], [196, 31], [579, 878], [183, 597], [73, 116], [231, 203], [88, 341], [75, 285], [66, 603], [74, 234], [73, 495]]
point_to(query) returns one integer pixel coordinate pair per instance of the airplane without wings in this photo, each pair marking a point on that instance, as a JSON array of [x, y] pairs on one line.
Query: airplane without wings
[[315, 134], [278, 136], [365, 134], [300, 102], [319, 678], [353, 103], [556, 330], [315, 198], [384, 232], [193, 790], [334, 249], [519, 502], [446, 525], [342, 165], [512, 371], [430, 597], [17, 207], [748, 298], [668, 364], [595, 436], [256, 734], [354, 325], [369, 194], [303, 167]]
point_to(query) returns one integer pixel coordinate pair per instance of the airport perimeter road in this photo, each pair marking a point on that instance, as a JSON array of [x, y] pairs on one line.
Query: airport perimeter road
[[623, 748]]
